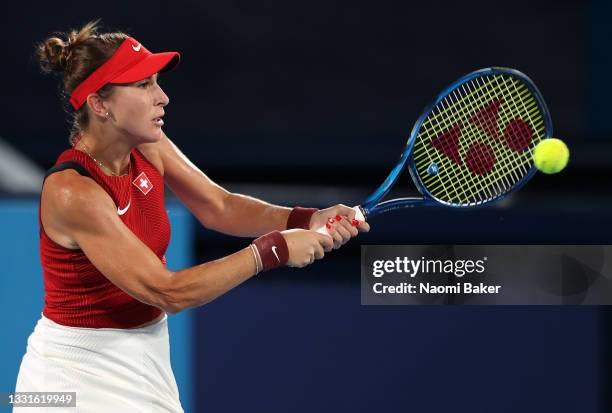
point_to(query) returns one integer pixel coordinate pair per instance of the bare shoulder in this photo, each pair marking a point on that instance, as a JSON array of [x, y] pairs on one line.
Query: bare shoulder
[[71, 201], [151, 151], [69, 191]]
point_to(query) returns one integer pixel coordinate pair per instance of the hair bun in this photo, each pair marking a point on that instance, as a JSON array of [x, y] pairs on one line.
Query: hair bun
[[53, 54]]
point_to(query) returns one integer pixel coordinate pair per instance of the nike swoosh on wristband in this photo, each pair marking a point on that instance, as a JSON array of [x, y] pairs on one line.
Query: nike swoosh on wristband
[[124, 210], [275, 254], [136, 48]]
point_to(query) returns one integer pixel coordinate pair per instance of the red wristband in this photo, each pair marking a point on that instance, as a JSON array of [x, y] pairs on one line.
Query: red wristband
[[272, 249], [300, 217]]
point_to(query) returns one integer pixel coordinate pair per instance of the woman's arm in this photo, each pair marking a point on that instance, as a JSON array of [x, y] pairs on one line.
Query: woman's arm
[[83, 214]]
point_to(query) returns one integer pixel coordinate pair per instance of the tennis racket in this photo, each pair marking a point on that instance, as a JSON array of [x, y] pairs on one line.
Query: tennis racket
[[472, 146]]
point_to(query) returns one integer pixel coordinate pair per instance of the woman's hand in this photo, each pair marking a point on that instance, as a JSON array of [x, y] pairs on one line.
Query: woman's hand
[[305, 246], [340, 222]]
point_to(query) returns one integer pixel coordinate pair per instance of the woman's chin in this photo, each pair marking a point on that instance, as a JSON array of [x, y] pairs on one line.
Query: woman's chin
[[157, 135], [152, 137]]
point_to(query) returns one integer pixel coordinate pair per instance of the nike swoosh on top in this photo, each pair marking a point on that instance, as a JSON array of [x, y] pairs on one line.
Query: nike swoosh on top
[[275, 254], [136, 48], [124, 210]]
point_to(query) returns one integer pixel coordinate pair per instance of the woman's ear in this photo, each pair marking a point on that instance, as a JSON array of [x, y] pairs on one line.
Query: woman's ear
[[97, 106]]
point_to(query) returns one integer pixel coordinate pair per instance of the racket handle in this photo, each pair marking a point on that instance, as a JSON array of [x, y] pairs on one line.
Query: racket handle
[[358, 216]]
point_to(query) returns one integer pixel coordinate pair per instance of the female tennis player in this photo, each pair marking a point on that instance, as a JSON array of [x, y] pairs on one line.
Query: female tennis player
[[104, 232]]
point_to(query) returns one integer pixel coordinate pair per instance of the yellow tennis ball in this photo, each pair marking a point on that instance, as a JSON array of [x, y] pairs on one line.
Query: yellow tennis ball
[[551, 155]]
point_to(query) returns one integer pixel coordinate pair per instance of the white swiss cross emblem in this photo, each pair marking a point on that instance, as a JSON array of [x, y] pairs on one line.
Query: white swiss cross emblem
[[143, 183]]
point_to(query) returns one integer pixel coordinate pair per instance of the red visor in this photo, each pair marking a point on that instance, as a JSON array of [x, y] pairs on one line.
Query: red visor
[[131, 62]]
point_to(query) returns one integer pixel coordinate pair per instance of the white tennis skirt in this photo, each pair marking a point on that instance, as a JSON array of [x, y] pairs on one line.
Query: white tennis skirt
[[111, 370]]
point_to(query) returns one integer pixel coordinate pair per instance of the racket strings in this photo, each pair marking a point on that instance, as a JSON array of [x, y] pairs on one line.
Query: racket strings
[[480, 159], [472, 106], [472, 155], [464, 117], [515, 167], [456, 172], [451, 106], [502, 178], [518, 135], [476, 162]]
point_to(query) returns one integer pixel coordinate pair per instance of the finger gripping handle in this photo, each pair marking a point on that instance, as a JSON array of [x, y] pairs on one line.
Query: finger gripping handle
[[358, 216]]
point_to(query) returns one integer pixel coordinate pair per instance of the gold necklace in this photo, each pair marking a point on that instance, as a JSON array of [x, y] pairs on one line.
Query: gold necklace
[[100, 164]]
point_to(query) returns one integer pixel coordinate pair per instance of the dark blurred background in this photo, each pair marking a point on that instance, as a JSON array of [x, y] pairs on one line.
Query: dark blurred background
[[310, 103]]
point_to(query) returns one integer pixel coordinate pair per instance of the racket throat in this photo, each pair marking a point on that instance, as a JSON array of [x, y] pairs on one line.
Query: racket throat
[[392, 204]]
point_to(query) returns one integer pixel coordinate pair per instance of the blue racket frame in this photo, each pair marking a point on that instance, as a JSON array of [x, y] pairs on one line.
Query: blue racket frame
[[372, 205]]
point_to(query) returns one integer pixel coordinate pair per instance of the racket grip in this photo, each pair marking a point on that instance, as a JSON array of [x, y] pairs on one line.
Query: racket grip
[[358, 216]]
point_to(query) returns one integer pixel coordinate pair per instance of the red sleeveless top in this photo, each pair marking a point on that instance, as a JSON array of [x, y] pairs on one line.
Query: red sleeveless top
[[76, 293]]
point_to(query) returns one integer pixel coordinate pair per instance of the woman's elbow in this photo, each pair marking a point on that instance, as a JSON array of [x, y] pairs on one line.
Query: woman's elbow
[[173, 298], [162, 295], [171, 309]]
